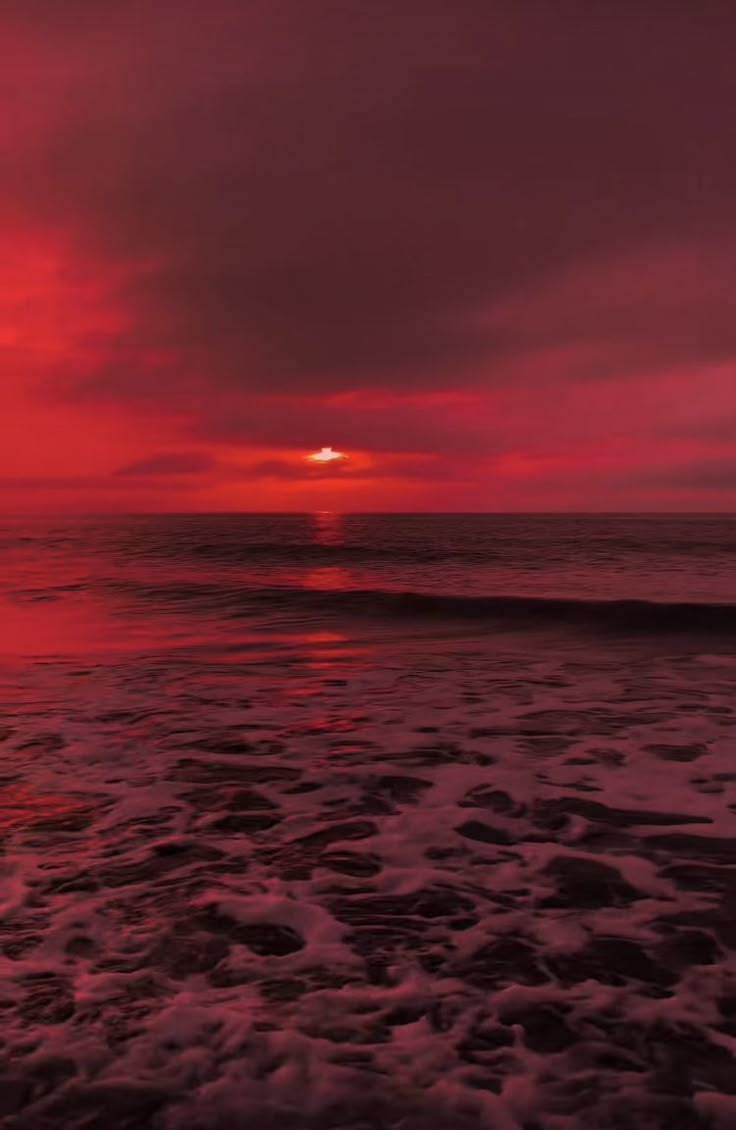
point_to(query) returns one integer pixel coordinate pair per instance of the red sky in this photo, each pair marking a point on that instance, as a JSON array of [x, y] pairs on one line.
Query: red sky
[[488, 249]]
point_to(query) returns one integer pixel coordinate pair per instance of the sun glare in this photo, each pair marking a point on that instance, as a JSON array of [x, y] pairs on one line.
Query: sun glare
[[325, 455]]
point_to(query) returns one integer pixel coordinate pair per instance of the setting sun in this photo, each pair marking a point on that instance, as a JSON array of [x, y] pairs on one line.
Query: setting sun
[[325, 455]]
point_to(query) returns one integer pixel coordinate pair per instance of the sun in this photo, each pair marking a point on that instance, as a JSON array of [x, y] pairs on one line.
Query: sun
[[326, 455]]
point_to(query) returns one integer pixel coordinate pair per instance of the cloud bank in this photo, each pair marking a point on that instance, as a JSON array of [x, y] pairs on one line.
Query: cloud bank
[[490, 245]]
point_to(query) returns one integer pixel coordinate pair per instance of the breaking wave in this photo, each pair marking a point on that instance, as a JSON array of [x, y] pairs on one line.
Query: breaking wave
[[638, 616]]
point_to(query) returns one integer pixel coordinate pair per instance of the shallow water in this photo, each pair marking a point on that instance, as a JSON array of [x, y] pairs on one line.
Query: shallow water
[[281, 862]]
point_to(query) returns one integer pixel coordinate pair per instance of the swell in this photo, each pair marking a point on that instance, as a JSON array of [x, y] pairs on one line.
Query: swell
[[637, 616], [616, 615], [238, 550], [306, 552]]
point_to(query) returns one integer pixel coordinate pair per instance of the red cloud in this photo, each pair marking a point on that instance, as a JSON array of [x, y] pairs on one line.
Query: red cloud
[[497, 238]]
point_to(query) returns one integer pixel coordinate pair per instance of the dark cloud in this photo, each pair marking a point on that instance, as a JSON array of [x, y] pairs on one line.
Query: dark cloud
[[47, 482], [708, 474], [169, 463], [381, 425], [311, 198], [61, 483], [488, 249]]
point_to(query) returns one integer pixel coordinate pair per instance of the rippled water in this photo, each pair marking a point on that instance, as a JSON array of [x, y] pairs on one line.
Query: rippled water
[[368, 821]]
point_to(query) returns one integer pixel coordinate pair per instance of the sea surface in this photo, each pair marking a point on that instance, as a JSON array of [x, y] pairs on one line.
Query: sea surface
[[368, 822]]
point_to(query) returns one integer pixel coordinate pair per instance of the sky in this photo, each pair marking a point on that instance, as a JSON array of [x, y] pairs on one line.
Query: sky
[[487, 249]]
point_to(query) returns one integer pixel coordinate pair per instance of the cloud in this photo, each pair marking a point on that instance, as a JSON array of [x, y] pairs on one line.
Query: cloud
[[381, 423], [50, 482], [402, 227], [297, 470], [708, 474], [169, 463], [337, 200]]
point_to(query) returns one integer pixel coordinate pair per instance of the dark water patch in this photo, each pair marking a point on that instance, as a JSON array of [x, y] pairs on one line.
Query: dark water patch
[[680, 1056], [399, 787], [369, 803], [370, 1032], [618, 817], [264, 938], [243, 823], [402, 1014], [614, 758], [45, 1073], [281, 990], [43, 743], [700, 876], [717, 849], [629, 1110], [184, 952], [483, 833], [358, 864], [706, 786], [587, 884], [67, 823], [440, 753], [670, 752], [602, 839], [16, 1092], [431, 903], [383, 926], [496, 800], [127, 717], [596, 720], [483, 1042], [248, 800], [681, 949], [726, 1006], [302, 552], [612, 961], [545, 1027], [505, 960], [338, 833], [78, 882], [81, 946], [48, 999], [491, 731], [231, 800], [224, 772], [231, 746], [714, 920], [159, 863], [304, 787], [544, 745], [296, 859], [17, 940], [444, 753], [89, 1106]]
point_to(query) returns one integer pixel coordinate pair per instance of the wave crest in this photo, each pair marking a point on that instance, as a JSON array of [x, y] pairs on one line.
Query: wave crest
[[632, 616]]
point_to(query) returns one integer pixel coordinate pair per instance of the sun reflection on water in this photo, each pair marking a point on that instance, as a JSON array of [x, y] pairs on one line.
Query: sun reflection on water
[[327, 578], [327, 527]]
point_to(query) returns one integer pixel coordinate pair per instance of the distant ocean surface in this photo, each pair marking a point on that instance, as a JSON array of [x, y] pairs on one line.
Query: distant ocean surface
[[368, 822], [279, 573]]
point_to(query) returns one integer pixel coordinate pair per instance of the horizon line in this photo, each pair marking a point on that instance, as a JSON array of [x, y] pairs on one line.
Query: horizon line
[[377, 513]]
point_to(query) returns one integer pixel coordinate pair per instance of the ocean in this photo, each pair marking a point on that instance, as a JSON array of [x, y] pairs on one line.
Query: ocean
[[368, 822]]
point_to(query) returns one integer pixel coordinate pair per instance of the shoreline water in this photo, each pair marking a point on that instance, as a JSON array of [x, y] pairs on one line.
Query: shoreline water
[[344, 872]]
